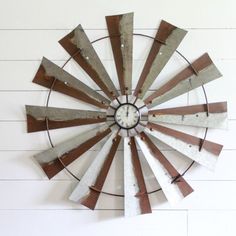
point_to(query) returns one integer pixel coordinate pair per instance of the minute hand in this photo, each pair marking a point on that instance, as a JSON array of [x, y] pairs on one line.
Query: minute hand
[[127, 113]]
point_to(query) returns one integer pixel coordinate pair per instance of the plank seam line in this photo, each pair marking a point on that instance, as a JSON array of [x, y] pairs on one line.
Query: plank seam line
[[104, 59], [105, 29], [110, 209], [74, 181], [40, 150], [73, 209]]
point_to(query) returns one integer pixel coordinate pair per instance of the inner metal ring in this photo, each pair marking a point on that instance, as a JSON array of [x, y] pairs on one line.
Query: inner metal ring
[[97, 40]]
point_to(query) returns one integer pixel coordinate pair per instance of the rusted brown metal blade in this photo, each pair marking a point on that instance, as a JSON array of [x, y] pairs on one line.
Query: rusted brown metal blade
[[80, 48], [50, 74], [202, 151], [69, 150], [211, 115], [136, 197], [120, 28], [40, 118], [91, 199], [204, 72], [166, 41], [172, 183]]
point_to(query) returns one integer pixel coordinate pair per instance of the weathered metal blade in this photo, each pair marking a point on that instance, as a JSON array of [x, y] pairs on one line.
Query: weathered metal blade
[[136, 197], [60, 117], [195, 115], [80, 48], [67, 84], [185, 81], [69, 150], [167, 40], [89, 178], [120, 28], [90, 200], [187, 144], [172, 183]]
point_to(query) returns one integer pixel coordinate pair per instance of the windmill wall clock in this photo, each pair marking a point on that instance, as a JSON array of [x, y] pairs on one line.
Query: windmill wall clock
[[129, 118]]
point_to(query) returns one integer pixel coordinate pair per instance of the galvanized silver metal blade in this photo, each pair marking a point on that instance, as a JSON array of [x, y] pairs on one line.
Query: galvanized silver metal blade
[[120, 28], [52, 76], [212, 115], [166, 41], [80, 48], [187, 144], [66, 152], [42, 118], [83, 187], [172, 183], [185, 81], [136, 197]]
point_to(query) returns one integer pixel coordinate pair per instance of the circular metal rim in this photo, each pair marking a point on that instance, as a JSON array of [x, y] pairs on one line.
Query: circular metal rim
[[49, 95]]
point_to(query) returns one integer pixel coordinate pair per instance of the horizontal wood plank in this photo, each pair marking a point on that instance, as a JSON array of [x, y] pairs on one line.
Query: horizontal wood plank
[[51, 15], [215, 222], [33, 45], [86, 222], [54, 195]]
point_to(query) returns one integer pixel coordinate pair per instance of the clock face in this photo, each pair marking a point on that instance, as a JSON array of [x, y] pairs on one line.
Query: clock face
[[127, 116]]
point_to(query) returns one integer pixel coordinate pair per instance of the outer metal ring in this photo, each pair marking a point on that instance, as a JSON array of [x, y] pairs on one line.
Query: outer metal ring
[[49, 95]]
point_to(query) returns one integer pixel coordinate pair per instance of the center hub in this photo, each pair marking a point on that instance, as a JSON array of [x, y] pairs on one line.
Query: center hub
[[129, 114]]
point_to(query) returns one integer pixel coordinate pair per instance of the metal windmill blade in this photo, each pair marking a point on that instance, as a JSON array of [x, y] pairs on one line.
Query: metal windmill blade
[[211, 115], [127, 118], [172, 183], [120, 28], [69, 150], [90, 186], [204, 72], [136, 197], [166, 41], [80, 48], [52, 76], [202, 151], [60, 117]]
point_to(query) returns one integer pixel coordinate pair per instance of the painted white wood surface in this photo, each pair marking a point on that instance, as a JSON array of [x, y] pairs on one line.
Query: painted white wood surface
[[32, 205]]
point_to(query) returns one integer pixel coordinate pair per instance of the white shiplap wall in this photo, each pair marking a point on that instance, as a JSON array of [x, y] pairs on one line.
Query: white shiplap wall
[[32, 205]]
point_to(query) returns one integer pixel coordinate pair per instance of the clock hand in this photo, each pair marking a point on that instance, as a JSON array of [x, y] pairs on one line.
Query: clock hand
[[127, 113]]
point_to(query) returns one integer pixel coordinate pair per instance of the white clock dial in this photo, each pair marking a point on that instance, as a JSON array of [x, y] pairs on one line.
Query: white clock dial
[[127, 116]]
